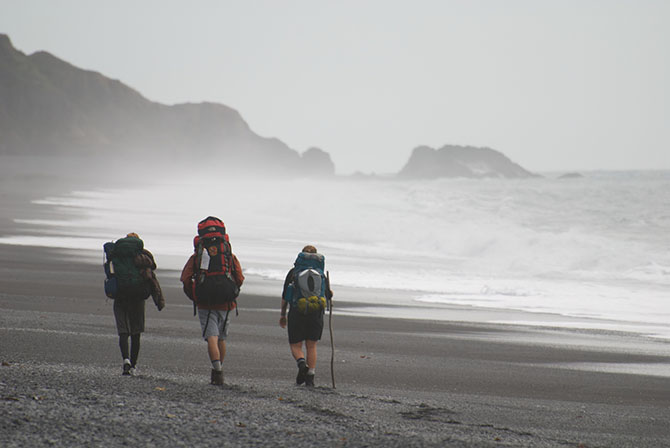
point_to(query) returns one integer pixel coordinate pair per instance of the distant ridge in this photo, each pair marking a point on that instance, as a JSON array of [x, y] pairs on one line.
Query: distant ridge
[[460, 161], [50, 107]]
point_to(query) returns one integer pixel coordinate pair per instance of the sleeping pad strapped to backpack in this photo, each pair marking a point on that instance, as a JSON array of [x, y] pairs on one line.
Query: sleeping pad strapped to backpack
[[214, 284], [123, 278], [307, 290]]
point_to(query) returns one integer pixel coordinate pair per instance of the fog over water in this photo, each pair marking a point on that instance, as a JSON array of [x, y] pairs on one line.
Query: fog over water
[[595, 247]]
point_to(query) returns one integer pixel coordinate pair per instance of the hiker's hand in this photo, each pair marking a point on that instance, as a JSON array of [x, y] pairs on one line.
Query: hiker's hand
[[282, 321], [160, 306]]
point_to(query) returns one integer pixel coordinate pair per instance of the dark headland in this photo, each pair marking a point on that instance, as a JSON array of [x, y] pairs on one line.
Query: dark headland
[[51, 108]]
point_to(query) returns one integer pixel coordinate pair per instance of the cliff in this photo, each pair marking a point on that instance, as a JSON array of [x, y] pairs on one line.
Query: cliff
[[50, 107], [460, 161]]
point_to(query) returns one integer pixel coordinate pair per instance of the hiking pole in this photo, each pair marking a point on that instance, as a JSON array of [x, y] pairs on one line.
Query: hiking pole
[[332, 343]]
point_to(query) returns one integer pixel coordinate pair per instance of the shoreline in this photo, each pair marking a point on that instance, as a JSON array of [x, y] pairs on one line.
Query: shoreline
[[370, 303], [361, 301], [59, 282], [400, 382]]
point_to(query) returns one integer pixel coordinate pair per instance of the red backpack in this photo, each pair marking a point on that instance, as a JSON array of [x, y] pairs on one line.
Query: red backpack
[[213, 283]]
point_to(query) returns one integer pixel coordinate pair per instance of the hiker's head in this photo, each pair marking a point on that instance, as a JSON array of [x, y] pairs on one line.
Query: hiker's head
[[133, 235], [309, 249]]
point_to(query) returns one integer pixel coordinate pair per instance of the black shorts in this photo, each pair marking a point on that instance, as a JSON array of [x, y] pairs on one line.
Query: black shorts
[[303, 327], [129, 315]]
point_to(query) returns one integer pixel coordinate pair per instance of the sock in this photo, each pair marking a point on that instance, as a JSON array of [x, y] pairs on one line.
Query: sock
[[311, 371], [216, 365], [300, 361]]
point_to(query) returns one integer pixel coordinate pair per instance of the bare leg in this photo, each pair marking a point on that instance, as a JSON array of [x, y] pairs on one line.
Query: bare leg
[[311, 353], [213, 348], [222, 350], [296, 351], [217, 351]]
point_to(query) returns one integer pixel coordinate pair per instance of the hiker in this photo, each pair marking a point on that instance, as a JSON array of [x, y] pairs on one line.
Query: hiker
[[306, 290], [212, 278], [132, 267]]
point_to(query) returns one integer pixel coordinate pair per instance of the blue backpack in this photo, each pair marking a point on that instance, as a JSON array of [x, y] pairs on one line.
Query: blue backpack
[[307, 290]]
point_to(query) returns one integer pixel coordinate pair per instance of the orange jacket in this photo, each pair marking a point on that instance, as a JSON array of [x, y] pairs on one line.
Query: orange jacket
[[187, 275]]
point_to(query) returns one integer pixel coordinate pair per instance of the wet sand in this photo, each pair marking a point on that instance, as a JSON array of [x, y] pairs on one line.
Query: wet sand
[[400, 382]]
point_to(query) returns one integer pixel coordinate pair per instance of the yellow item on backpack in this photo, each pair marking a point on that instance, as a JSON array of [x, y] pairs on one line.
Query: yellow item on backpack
[[311, 304]]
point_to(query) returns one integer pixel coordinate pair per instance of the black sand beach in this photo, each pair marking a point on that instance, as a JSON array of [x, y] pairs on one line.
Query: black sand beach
[[400, 382]]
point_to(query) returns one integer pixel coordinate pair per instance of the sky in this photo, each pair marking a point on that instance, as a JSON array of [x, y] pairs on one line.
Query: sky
[[556, 85]]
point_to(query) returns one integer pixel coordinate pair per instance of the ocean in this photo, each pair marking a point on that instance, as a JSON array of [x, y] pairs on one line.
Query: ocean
[[593, 251]]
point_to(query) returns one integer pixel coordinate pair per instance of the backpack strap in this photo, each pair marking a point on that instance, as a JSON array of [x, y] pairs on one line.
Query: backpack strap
[[196, 275], [230, 268], [209, 313], [204, 330]]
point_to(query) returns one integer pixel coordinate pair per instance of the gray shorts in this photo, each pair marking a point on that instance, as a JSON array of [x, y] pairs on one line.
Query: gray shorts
[[214, 323]]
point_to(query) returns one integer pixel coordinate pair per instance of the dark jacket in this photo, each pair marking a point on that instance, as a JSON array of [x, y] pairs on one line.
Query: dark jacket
[[146, 264]]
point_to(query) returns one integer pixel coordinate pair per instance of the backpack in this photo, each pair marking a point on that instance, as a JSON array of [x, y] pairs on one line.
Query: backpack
[[122, 276], [307, 290], [213, 283], [111, 283]]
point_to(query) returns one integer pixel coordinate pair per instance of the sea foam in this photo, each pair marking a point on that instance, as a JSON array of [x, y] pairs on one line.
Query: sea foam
[[591, 247]]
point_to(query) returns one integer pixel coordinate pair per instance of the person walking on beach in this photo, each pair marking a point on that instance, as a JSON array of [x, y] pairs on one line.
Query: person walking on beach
[[212, 278], [306, 290], [133, 268]]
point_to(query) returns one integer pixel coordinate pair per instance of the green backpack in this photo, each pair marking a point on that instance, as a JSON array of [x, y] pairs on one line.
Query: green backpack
[[120, 265]]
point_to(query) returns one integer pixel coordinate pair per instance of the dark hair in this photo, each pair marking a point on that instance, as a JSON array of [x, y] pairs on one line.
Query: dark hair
[[309, 249]]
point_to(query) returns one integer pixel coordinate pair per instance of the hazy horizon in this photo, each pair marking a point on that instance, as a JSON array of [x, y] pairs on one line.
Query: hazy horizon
[[556, 86]]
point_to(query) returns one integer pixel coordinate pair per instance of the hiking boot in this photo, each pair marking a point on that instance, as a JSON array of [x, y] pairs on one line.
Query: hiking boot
[[309, 380], [126, 368], [217, 377], [302, 373]]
